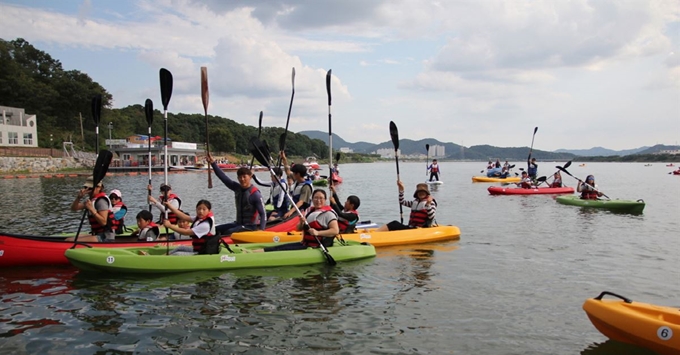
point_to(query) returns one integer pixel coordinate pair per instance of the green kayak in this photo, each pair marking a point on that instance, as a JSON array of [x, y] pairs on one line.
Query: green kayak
[[629, 206], [320, 182], [132, 260]]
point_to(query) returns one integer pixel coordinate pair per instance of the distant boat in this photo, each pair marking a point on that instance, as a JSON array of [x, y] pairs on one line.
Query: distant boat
[[582, 165], [671, 164], [648, 164]]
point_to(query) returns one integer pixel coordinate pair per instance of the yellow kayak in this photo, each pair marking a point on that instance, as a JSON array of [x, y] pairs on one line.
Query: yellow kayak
[[495, 179], [653, 327], [378, 239]]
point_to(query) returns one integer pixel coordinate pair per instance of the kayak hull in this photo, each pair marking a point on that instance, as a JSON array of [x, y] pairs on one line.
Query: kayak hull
[[500, 190], [628, 206], [129, 260], [378, 239], [653, 327], [495, 179], [434, 182]]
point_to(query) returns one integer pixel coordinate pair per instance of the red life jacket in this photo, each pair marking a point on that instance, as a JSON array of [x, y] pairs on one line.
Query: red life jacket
[[97, 228], [344, 224], [308, 239], [556, 183], [588, 194], [418, 217], [172, 217], [197, 242], [150, 227], [434, 168], [117, 225]]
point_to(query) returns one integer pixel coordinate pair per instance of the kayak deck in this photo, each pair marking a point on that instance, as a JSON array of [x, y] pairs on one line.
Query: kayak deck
[[628, 206], [495, 179]]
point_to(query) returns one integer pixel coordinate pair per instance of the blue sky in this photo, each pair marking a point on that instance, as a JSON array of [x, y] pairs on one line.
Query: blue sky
[[587, 73]]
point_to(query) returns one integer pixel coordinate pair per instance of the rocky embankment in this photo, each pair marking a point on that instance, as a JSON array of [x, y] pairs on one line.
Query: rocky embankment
[[9, 165]]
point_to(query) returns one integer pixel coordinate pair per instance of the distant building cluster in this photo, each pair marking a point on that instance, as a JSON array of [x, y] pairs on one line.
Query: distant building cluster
[[17, 129], [346, 150], [437, 151], [386, 153], [669, 151]]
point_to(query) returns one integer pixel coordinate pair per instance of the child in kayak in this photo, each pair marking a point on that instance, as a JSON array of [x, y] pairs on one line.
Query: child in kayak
[[557, 180], [526, 182], [588, 189], [423, 209], [148, 230], [348, 216], [201, 229]]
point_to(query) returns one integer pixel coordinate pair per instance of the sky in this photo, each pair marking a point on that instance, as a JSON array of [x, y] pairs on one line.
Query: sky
[[587, 73]]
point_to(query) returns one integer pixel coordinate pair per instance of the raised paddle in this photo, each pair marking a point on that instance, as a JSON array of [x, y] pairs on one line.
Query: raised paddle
[[205, 94], [531, 149], [101, 166], [148, 111], [96, 116], [259, 132], [564, 170], [166, 93], [330, 130], [261, 152], [394, 134], [290, 108], [427, 158]]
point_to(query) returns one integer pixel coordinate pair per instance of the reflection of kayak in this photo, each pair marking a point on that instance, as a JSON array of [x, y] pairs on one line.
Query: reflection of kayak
[[128, 260], [499, 190], [630, 206], [378, 239], [495, 179], [653, 327], [434, 182]]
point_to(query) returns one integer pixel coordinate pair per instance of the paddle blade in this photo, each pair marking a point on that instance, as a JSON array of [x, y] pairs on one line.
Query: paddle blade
[[205, 94], [166, 87], [260, 151], [328, 85], [282, 141], [568, 164], [337, 157], [427, 148], [101, 166], [96, 108], [542, 179], [259, 131], [292, 79], [535, 129], [394, 134], [148, 111]]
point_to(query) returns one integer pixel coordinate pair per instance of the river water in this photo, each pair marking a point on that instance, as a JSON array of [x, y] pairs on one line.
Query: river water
[[513, 284]]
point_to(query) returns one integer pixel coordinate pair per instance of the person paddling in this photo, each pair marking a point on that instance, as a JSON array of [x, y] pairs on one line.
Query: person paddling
[[557, 180], [588, 189], [526, 182], [434, 170], [99, 211], [532, 167]]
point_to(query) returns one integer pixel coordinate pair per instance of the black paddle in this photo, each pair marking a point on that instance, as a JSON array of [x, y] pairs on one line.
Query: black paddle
[[290, 108], [101, 166], [166, 93], [531, 149], [148, 110], [96, 116], [261, 152], [427, 158], [394, 134], [205, 96], [330, 131], [563, 169], [259, 132]]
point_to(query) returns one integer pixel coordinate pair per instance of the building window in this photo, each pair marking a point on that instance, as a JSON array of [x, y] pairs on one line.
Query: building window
[[12, 138], [28, 138]]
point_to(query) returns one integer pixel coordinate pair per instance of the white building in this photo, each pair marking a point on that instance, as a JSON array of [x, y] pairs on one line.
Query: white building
[[437, 151], [346, 150], [387, 152], [17, 129]]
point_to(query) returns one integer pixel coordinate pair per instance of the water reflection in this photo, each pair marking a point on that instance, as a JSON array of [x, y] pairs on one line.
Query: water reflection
[[611, 347]]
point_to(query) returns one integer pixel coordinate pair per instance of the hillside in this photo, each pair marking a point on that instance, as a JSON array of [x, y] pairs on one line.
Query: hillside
[[600, 151]]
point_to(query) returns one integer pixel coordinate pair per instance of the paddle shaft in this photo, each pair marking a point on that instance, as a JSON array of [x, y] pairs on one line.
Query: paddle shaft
[[583, 182], [259, 133], [330, 131]]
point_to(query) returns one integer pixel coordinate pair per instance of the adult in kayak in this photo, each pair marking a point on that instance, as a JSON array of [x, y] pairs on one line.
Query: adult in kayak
[[557, 180], [323, 226], [434, 170], [423, 209], [167, 197], [532, 167], [348, 216], [278, 195], [301, 188], [119, 211], [588, 189], [250, 214], [99, 213]]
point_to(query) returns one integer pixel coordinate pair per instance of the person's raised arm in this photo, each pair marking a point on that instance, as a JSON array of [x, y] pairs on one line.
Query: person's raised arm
[[231, 184]]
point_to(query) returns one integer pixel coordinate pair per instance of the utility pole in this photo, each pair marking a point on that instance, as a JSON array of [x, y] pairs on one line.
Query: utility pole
[[82, 135]]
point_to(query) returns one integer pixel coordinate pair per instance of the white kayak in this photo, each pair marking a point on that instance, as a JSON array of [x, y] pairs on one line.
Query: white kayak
[[434, 182]]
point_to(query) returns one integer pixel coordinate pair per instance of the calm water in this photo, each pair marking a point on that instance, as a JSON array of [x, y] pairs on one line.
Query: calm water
[[513, 284]]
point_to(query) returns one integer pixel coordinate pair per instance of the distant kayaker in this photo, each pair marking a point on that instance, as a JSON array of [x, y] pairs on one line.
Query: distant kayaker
[[532, 167], [498, 164], [434, 170], [588, 189], [423, 209], [166, 196], [250, 214], [98, 208], [147, 229], [323, 226], [557, 180], [348, 216]]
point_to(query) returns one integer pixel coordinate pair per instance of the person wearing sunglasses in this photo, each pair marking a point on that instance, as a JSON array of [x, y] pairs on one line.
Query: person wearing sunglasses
[[588, 189], [166, 196], [99, 212]]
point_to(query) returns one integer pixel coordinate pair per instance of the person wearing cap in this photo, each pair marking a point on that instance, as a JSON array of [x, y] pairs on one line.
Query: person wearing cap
[[348, 216], [423, 209], [119, 211], [166, 197], [434, 170], [588, 189], [99, 212], [250, 213], [301, 190]]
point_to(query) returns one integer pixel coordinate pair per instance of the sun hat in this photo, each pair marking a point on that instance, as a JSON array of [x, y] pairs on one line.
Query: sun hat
[[117, 193], [421, 187]]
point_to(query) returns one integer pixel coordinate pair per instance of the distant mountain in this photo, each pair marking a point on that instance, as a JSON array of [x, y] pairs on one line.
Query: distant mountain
[[601, 152], [659, 147]]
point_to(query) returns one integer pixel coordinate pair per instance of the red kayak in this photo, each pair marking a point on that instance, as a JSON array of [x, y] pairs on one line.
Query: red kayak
[[500, 190], [676, 172], [33, 250], [337, 179]]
